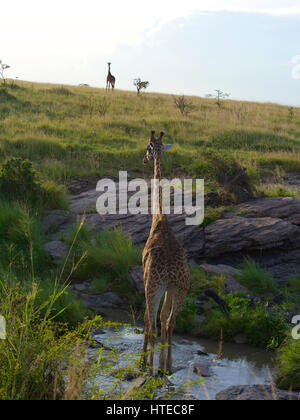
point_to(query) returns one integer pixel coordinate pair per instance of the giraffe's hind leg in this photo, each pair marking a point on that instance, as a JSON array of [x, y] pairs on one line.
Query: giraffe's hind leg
[[164, 314], [144, 357], [177, 302], [152, 303]]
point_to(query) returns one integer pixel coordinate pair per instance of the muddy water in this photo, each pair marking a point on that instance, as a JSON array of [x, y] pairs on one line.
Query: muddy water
[[227, 365]]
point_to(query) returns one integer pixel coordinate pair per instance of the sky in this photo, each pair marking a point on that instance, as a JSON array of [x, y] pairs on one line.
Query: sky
[[250, 49]]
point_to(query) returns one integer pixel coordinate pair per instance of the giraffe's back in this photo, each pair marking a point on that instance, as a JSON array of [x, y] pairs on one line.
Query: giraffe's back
[[164, 259]]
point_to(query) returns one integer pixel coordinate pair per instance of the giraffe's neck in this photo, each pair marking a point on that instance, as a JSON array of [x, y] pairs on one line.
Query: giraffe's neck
[[157, 185]]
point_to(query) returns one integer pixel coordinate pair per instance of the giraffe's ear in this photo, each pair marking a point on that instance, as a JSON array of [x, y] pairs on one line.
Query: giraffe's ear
[[167, 146]]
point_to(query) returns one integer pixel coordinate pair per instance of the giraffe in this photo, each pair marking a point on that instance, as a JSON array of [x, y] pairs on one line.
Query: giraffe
[[111, 80], [166, 271]]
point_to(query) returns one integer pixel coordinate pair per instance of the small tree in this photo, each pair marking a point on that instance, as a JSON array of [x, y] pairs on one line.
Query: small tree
[[97, 105], [102, 106], [291, 113], [218, 96], [140, 85], [184, 106], [3, 67]]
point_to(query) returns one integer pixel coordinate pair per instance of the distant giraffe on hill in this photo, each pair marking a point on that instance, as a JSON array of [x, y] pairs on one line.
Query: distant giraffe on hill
[[111, 80]]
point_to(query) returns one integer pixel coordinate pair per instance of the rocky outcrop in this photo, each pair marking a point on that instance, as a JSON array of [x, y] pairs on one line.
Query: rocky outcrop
[[260, 225], [255, 393]]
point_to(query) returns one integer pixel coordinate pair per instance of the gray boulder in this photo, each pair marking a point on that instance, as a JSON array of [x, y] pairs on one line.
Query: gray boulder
[[107, 300], [58, 251], [202, 370], [54, 220]]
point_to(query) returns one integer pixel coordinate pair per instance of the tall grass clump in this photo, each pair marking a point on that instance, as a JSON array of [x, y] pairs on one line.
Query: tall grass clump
[[21, 240], [106, 258], [288, 366], [110, 250], [256, 279], [40, 359]]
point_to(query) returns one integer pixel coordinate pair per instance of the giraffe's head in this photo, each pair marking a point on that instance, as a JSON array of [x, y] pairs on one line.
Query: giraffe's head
[[155, 146]]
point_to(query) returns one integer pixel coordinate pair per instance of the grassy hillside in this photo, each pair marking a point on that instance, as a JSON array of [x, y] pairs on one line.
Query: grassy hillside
[[61, 130]]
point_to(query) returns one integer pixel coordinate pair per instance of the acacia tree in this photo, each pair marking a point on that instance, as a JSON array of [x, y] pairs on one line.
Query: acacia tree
[[140, 85], [3, 67], [218, 96]]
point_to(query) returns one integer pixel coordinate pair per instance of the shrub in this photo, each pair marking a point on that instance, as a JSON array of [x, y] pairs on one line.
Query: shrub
[[230, 175], [263, 327], [53, 196], [185, 321], [19, 181], [61, 91]]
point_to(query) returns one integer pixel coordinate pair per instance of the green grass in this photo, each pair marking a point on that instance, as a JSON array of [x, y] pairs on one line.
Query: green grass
[[288, 365], [21, 240], [214, 213], [55, 127], [275, 190], [106, 258], [256, 279], [40, 359]]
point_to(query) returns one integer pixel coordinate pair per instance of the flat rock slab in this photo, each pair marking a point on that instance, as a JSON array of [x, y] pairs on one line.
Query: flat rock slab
[[255, 393], [240, 233], [279, 208]]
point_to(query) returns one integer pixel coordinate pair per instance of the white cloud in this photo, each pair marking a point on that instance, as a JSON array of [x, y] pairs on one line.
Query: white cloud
[[56, 40], [73, 25]]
